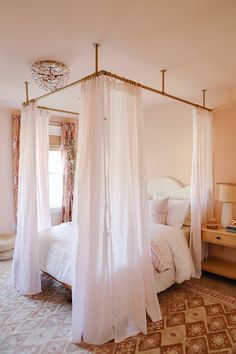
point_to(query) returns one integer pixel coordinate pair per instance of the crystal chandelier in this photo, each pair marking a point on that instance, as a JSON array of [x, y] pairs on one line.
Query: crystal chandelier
[[50, 75]]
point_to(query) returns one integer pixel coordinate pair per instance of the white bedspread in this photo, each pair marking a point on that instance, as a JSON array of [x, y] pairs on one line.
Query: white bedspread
[[55, 254], [173, 245]]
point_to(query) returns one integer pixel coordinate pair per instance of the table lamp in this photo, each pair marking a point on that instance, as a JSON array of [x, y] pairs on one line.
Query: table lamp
[[226, 193]]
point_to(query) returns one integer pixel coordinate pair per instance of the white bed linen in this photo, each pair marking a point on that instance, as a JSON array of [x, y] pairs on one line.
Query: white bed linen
[[55, 254], [173, 245]]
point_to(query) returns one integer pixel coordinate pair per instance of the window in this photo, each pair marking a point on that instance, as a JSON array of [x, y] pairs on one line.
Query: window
[[55, 178]]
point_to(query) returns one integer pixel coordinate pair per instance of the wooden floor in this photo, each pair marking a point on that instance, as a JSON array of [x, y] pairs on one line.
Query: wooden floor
[[218, 282]]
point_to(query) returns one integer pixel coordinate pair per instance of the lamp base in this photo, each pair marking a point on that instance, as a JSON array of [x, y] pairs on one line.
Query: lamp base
[[226, 215]]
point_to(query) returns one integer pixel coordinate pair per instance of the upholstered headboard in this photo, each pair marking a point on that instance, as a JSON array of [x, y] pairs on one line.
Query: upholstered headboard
[[168, 186]]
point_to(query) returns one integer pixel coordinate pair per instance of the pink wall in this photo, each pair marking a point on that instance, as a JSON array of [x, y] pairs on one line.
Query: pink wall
[[224, 164], [224, 148], [7, 218], [225, 145], [168, 141]]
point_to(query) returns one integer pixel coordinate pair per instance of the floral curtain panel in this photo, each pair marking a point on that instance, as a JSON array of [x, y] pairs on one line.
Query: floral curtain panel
[[68, 160], [15, 156]]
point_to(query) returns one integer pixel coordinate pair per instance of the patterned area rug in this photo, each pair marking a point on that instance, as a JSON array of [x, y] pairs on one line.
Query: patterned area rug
[[196, 320]]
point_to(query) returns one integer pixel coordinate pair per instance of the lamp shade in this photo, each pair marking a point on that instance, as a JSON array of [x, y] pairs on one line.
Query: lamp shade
[[226, 192]]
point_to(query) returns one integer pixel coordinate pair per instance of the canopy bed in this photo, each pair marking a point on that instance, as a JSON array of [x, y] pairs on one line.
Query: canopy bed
[[169, 241], [111, 272], [55, 254]]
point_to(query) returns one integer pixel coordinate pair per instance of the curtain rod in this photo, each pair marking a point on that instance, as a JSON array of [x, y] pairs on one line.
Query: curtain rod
[[62, 88], [58, 110], [106, 73], [163, 93]]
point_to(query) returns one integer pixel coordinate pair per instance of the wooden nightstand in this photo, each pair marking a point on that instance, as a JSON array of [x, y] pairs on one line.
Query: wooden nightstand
[[218, 265]]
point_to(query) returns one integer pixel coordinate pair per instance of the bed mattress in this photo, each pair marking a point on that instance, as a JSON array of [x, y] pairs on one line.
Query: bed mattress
[[55, 254]]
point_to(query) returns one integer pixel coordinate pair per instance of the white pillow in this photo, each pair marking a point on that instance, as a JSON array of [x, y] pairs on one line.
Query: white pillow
[[177, 209], [157, 210]]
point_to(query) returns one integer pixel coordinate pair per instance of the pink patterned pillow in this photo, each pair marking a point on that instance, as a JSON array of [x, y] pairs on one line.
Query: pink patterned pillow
[[158, 209], [158, 259]]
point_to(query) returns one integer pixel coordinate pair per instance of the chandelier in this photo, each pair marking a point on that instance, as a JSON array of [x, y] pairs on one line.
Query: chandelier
[[50, 75]]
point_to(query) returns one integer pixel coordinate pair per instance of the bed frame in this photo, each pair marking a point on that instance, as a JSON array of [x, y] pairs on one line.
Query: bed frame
[[64, 284], [168, 187]]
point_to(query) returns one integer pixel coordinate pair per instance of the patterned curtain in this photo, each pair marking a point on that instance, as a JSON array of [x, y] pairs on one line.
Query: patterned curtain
[[15, 156], [68, 160]]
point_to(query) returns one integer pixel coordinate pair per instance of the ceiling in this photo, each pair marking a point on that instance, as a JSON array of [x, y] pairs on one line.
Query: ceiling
[[195, 40]]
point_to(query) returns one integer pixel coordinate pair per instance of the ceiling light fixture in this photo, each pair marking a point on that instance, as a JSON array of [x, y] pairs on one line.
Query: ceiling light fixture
[[50, 75]]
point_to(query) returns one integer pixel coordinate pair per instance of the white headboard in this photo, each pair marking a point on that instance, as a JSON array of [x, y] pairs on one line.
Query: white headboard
[[168, 187]]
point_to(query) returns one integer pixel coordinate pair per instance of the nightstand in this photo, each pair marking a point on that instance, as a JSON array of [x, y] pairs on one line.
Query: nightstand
[[217, 265]]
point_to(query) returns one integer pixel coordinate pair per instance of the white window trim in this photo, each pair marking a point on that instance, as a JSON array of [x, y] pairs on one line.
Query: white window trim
[[55, 210]]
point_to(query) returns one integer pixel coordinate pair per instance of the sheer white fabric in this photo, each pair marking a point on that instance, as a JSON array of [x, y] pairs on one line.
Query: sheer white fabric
[[26, 274], [90, 275], [132, 286], [32, 183], [42, 151], [201, 181], [112, 273]]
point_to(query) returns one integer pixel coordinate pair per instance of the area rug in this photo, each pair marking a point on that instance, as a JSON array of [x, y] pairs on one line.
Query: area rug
[[196, 320]]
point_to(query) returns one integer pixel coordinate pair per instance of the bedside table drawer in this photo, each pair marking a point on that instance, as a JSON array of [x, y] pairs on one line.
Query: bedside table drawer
[[219, 238], [217, 265]]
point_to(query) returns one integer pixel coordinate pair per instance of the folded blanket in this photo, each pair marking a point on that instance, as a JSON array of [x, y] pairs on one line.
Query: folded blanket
[[158, 259]]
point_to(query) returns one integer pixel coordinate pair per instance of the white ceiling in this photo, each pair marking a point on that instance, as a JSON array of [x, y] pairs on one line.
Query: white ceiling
[[195, 40]]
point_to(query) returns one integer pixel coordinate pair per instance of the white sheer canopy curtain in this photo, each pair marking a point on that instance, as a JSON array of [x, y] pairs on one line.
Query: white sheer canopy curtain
[[201, 181], [42, 151], [112, 272], [33, 201]]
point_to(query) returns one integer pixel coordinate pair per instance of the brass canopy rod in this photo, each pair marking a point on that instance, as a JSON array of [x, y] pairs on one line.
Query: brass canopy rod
[[106, 73], [58, 110], [62, 88], [153, 90]]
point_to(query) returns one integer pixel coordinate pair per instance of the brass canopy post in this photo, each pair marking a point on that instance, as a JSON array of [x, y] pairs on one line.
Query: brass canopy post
[[96, 45], [204, 98], [27, 91], [163, 80]]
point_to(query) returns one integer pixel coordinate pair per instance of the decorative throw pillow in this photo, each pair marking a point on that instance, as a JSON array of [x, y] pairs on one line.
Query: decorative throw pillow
[[158, 259], [177, 210], [158, 209]]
